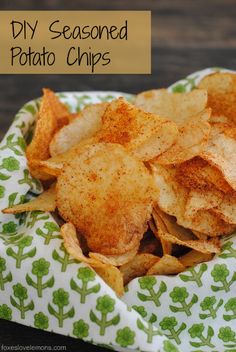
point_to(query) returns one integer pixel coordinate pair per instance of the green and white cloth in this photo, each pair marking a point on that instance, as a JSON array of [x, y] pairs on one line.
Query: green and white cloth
[[43, 287]]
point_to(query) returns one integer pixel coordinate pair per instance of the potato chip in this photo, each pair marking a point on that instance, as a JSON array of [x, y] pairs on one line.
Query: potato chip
[[211, 246], [110, 274], [46, 201], [194, 257], [208, 223], [221, 89], [72, 116], [53, 166], [144, 134], [114, 201], [39, 147], [220, 151], [138, 266], [227, 208], [222, 204], [199, 174], [221, 119], [115, 260], [60, 110], [51, 115], [199, 235], [82, 127], [171, 225], [177, 107], [37, 171], [191, 140], [72, 245], [167, 265], [156, 228], [172, 199], [198, 200]]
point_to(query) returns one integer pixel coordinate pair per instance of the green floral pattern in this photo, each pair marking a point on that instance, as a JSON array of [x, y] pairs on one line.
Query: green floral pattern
[[125, 337], [228, 336], [148, 283], [86, 275], [19, 255], [40, 268], [51, 232], [42, 286], [21, 294], [170, 324], [4, 279], [63, 259], [61, 300], [195, 274], [180, 295], [197, 332], [5, 312], [105, 305], [41, 321], [230, 307], [80, 329]]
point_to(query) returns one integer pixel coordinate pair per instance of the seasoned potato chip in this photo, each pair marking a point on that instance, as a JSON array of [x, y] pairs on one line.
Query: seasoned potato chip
[[39, 147], [144, 134], [199, 174], [194, 257], [175, 106], [227, 208], [172, 226], [60, 110], [84, 126], [110, 274], [114, 198], [54, 165], [221, 89], [220, 151], [222, 204], [115, 260], [46, 201], [72, 116], [72, 245], [138, 266], [199, 235], [211, 246], [156, 228], [167, 265], [198, 200], [51, 115], [172, 199], [191, 140], [208, 223], [221, 119]]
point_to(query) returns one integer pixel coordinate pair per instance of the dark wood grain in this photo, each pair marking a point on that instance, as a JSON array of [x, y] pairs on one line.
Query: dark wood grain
[[186, 36]]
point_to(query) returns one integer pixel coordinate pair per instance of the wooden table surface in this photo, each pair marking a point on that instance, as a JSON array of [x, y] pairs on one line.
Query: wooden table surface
[[187, 35]]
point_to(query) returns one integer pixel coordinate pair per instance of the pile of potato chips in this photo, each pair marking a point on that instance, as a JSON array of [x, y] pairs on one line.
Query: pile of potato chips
[[145, 188]]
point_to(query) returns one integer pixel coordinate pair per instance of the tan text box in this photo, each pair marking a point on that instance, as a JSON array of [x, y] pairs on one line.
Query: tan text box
[[76, 42]]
